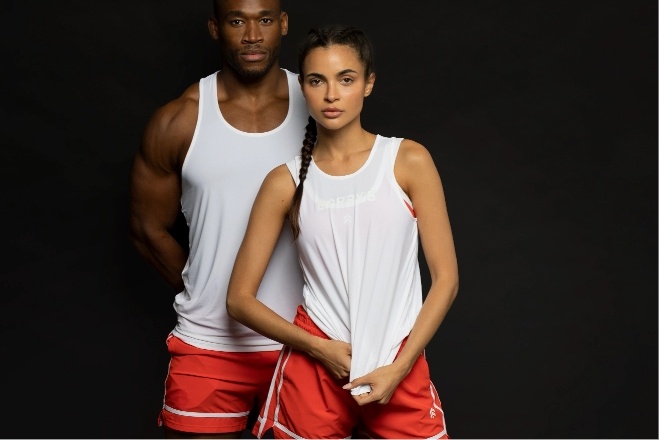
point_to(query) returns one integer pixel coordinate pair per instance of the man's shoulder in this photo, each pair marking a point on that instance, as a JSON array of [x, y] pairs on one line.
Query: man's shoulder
[[178, 113], [186, 102]]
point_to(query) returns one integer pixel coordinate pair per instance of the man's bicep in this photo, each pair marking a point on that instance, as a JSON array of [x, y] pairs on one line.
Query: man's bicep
[[155, 177], [155, 194]]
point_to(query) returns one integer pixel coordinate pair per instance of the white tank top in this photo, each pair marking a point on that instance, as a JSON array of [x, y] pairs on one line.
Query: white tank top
[[358, 248], [221, 176]]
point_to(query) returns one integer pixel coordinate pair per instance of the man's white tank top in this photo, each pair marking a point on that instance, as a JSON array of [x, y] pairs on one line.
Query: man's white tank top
[[358, 248], [221, 175]]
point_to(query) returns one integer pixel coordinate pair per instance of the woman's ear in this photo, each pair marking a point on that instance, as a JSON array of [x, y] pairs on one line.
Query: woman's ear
[[370, 81]]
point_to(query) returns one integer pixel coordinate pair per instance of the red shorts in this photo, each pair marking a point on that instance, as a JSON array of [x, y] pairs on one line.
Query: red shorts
[[306, 401], [212, 392]]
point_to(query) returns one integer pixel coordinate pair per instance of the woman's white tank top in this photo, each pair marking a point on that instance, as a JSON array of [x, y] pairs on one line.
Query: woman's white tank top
[[221, 175], [358, 250]]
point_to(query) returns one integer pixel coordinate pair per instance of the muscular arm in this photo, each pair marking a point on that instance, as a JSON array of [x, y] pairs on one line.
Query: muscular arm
[[417, 175], [265, 223], [155, 190]]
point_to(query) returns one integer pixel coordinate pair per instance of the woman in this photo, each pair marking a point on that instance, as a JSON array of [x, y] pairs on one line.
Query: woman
[[357, 203]]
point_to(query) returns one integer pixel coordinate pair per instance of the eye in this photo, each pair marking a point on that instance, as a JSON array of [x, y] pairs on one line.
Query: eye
[[267, 20], [235, 22], [347, 80], [314, 82]]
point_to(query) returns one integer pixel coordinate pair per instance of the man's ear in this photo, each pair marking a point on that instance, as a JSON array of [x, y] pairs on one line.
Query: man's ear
[[213, 28], [283, 19], [370, 82]]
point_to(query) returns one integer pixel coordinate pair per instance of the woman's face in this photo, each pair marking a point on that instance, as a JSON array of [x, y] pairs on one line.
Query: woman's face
[[335, 85]]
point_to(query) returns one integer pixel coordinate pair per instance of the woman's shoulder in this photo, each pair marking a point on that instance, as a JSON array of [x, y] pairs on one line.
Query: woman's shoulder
[[412, 153], [407, 146], [279, 173], [414, 166]]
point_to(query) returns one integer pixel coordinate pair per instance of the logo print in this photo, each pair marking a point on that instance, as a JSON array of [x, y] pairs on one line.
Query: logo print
[[346, 201], [432, 413]]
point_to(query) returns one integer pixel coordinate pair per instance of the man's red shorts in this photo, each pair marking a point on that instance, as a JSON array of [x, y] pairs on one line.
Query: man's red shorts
[[306, 401], [212, 392]]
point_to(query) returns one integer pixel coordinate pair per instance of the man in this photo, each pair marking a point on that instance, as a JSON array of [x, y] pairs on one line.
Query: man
[[206, 154]]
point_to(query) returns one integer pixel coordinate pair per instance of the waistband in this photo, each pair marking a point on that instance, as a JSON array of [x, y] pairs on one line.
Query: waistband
[[303, 320]]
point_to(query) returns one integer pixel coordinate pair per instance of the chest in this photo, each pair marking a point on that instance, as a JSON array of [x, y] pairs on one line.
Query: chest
[[356, 206], [259, 118]]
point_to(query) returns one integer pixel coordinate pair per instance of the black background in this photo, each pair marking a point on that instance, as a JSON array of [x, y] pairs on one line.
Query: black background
[[541, 117]]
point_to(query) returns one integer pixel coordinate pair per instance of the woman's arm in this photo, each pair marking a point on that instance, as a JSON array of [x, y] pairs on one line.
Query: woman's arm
[[418, 177], [265, 223]]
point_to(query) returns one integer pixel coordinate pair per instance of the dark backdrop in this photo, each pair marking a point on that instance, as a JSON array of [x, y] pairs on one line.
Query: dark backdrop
[[541, 117]]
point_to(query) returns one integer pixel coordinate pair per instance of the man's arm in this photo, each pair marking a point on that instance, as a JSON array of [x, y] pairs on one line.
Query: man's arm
[[155, 187]]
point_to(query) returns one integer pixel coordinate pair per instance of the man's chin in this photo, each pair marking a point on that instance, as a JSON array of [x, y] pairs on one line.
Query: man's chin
[[255, 73], [252, 71]]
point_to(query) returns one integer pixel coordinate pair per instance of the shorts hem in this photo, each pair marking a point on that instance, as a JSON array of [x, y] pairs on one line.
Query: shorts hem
[[267, 424], [262, 426], [223, 428], [203, 429]]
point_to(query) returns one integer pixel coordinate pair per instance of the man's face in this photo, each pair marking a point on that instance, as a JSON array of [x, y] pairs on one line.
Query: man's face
[[249, 33]]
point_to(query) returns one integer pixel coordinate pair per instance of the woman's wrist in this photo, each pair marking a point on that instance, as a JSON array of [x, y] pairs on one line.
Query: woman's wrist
[[313, 346], [403, 365]]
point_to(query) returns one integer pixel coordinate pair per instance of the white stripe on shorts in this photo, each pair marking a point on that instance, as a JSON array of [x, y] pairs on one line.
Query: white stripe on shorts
[[268, 399], [206, 415]]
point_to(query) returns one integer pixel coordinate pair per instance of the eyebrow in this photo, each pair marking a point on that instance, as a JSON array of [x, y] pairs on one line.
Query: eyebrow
[[320, 75]]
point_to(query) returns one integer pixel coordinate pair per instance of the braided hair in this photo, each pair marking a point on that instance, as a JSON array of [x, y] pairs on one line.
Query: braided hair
[[307, 148], [324, 37]]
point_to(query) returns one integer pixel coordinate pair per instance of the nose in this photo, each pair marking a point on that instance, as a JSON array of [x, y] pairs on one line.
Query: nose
[[331, 92], [252, 33]]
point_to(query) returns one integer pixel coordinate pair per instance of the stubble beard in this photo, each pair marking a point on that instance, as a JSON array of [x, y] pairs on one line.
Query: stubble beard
[[250, 74]]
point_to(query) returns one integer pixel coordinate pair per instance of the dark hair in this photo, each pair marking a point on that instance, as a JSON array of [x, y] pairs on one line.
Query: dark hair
[[216, 7], [324, 37]]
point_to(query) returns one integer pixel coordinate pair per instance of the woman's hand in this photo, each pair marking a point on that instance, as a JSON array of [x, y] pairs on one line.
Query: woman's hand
[[383, 382], [334, 355]]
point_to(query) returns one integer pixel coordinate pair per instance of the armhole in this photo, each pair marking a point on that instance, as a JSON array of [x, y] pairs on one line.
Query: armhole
[[200, 113], [295, 97], [395, 142], [294, 168]]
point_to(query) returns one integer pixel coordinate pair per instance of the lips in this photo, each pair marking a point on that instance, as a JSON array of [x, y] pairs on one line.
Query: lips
[[332, 112], [253, 56]]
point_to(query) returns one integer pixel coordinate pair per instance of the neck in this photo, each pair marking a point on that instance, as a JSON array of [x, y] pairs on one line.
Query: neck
[[233, 85], [343, 142]]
